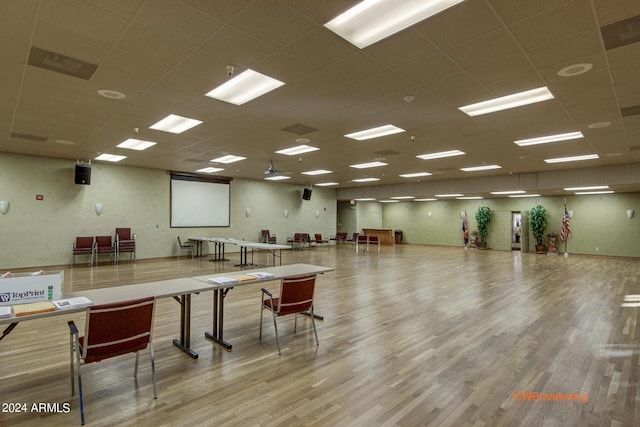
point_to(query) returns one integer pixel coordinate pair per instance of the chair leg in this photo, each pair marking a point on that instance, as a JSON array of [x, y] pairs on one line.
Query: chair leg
[[135, 369], [275, 325], [153, 372], [313, 322], [80, 397], [261, 315]]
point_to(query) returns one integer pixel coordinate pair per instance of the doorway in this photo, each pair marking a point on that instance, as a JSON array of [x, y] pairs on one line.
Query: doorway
[[516, 234]]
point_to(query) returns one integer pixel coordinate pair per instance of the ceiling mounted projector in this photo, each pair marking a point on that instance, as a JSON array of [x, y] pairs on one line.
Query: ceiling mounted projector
[[272, 169]]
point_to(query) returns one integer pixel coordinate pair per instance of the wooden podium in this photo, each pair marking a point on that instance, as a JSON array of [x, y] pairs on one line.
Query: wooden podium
[[385, 235]]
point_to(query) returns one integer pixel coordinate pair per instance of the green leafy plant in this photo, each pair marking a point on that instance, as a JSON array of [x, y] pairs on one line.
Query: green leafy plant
[[538, 222], [483, 219]]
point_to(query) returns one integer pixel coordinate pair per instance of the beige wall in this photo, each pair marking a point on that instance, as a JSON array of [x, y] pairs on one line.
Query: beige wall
[[599, 226], [40, 233]]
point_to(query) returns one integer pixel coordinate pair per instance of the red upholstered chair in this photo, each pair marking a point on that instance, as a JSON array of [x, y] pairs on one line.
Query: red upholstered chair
[[374, 241], [296, 296], [353, 239], [105, 246], [113, 330], [319, 241], [125, 243], [83, 246], [362, 239], [267, 237]]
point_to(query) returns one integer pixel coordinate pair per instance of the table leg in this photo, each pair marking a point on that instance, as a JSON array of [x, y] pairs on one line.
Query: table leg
[[217, 335], [185, 326]]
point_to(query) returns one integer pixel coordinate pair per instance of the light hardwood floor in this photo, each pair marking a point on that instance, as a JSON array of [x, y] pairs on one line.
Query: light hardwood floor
[[413, 335]]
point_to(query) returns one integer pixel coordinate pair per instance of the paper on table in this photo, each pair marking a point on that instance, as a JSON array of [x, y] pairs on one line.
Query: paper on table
[[261, 274], [66, 304], [5, 312], [222, 280]]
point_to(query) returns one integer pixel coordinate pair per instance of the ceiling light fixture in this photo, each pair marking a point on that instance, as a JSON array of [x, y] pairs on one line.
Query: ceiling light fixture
[[244, 87], [365, 179], [277, 178], [500, 193], [376, 132], [593, 187], [326, 184], [425, 200], [368, 165], [229, 158], [441, 155], [481, 168], [470, 198], [403, 197], [415, 175], [575, 70], [524, 195], [136, 144], [298, 149], [510, 101], [373, 20], [594, 192], [572, 158], [110, 157], [317, 172], [175, 124], [209, 170], [449, 195], [549, 138]]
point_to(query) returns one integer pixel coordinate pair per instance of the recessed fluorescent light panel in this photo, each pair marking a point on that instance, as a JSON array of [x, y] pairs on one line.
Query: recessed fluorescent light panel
[[470, 198], [373, 20], [110, 157], [449, 195], [425, 200], [326, 184], [136, 144], [175, 124], [594, 192], [277, 178], [415, 175], [510, 101], [228, 159], [403, 197], [572, 159], [441, 155], [244, 87], [389, 201], [368, 165], [298, 149], [481, 168], [375, 132], [500, 193], [524, 195], [593, 187], [366, 179], [550, 138], [210, 170], [365, 199], [316, 172]]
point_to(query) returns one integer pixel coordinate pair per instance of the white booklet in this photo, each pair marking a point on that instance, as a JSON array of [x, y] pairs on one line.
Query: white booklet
[[222, 280], [5, 312], [69, 303]]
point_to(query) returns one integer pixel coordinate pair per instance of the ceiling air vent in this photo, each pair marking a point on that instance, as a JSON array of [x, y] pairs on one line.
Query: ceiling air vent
[[621, 33], [299, 129], [61, 64]]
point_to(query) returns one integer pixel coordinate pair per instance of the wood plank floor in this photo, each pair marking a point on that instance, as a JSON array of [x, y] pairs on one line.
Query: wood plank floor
[[413, 335]]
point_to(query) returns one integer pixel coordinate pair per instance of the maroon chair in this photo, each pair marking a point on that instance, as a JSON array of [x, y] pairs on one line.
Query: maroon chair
[[267, 237], [296, 296], [83, 246], [362, 239], [125, 243], [104, 246], [113, 330]]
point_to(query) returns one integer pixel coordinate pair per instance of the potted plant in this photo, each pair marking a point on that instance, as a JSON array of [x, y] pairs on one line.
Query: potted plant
[[483, 219], [538, 222]]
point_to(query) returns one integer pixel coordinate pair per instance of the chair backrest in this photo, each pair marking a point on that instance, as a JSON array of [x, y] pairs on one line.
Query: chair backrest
[[342, 236], [119, 328], [104, 241], [84, 243], [318, 237], [183, 245], [362, 238], [265, 234], [123, 234], [296, 294], [374, 239]]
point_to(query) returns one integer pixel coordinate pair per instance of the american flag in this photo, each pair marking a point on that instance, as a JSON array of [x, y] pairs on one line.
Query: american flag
[[565, 233]]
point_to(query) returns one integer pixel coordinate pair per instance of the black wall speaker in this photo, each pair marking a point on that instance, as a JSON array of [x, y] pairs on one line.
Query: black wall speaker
[[83, 174], [306, 194]]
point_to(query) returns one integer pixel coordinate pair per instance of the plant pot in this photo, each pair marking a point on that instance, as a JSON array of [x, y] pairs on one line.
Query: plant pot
[[481, 245], [541, 249]]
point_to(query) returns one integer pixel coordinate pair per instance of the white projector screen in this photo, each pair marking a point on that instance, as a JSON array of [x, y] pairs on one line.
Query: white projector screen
[[198, 202]]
